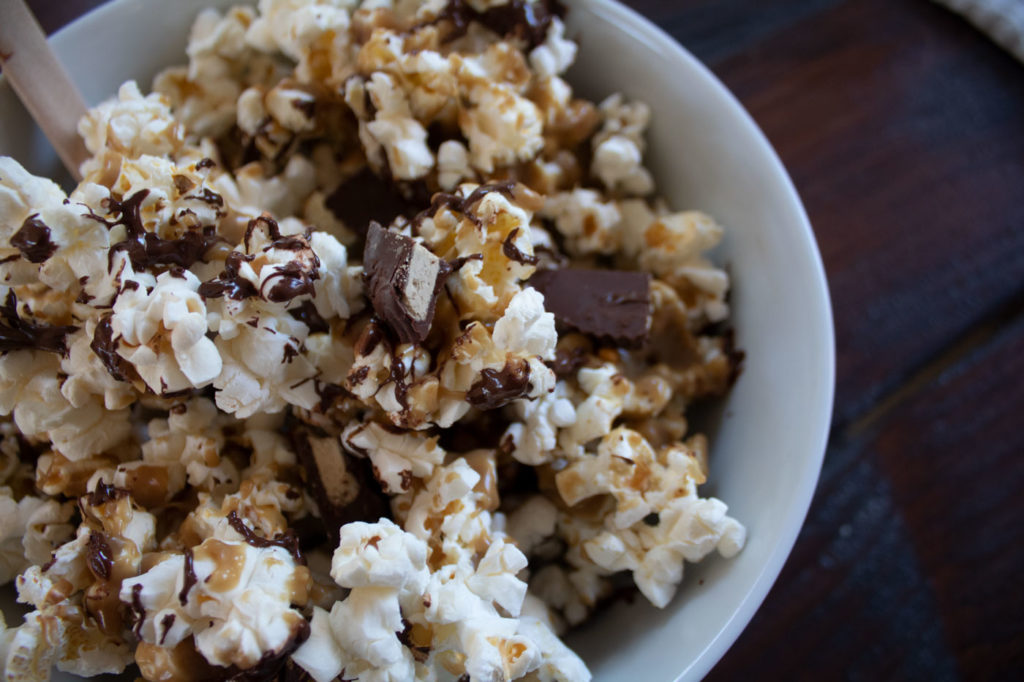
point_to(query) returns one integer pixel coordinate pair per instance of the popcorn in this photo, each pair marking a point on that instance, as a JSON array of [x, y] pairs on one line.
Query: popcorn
[[372, 276]]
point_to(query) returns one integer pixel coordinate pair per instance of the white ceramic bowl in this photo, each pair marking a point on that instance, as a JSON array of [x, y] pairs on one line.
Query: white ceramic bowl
[[706, 154]]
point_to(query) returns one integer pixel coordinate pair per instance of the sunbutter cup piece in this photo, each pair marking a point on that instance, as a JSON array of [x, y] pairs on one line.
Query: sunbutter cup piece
[[342, 485], [608, 304], [404, 279]]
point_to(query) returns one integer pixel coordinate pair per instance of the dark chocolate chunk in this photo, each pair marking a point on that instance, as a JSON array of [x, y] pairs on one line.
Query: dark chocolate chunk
[[497, 388], [19, 334], [33, 240], [342, 485], [404, 279], [366, 198], [611, 304], [189, 579]]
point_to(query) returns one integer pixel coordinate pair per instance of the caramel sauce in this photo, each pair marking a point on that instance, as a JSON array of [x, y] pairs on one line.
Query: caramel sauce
[[300, 585], [148, 484], [180, 664], [482, 462], [229, 561]]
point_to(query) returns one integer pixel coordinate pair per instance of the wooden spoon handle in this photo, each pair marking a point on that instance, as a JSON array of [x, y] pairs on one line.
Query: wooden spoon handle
[[41, 82]]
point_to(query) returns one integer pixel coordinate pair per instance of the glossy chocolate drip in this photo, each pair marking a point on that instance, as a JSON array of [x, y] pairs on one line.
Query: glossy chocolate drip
[[19, 334], [522, 19], [512, 251], [497, 388], [289, 282], [286, 541], [567, 362], [33, 240], [307, 314], [608, 304], [98, 556], [454, 202], [271, 664], [229, 283], [149, 251], [103, 493], [189, 579], [104, 345]]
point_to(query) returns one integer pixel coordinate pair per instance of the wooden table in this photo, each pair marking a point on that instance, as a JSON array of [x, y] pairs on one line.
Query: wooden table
[[903, 129]]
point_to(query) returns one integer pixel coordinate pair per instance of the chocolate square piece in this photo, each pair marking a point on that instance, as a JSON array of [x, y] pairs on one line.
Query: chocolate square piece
[[608, 304], [404, 279]]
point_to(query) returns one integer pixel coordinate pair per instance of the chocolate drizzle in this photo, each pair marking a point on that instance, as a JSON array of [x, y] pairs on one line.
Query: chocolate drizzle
[[307, 314], [286, 541], [104, 345], [33, 240], [19, 334], [229, 283], [271, 663], [138, 611], [512, 251], [458, 204], [98, 556], [146, 250], [522, 19], [290, 281], [189, 579], [497, 388], [103, 493]]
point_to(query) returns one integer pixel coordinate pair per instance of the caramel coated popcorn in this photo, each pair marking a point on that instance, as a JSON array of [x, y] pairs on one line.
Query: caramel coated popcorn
[[363, 351]]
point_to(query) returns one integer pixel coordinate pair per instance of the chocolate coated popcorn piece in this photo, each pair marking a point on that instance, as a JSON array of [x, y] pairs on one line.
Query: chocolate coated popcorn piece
[[404, 279], [613, 304]]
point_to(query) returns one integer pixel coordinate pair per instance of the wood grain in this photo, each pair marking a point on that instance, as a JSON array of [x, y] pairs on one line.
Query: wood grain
[[903, 129]]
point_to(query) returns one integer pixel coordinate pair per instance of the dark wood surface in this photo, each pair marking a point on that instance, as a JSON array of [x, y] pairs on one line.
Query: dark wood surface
[[903, 129]]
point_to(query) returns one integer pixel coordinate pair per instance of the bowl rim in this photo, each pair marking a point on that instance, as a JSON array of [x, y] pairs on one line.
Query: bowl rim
[[631, 21]]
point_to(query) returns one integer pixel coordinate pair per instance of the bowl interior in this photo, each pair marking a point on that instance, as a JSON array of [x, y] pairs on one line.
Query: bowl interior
[[767, 440]]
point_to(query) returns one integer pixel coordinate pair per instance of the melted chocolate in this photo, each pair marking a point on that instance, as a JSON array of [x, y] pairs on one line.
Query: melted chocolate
[[104, 345], [306, 313], [457, 204], [138, 611], [286, 541], [566, 362], [148, 251], [608, 304], [289, 282], [33, 240], [271, 664], [189, 579], [166, 623], [522, 19], [229, 283], [497, 388], [512, 251], [98, 556], [104, 492], [19, 334]]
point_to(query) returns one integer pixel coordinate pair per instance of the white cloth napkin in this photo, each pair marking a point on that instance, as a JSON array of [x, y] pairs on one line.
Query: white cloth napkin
[[1002, 20]]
